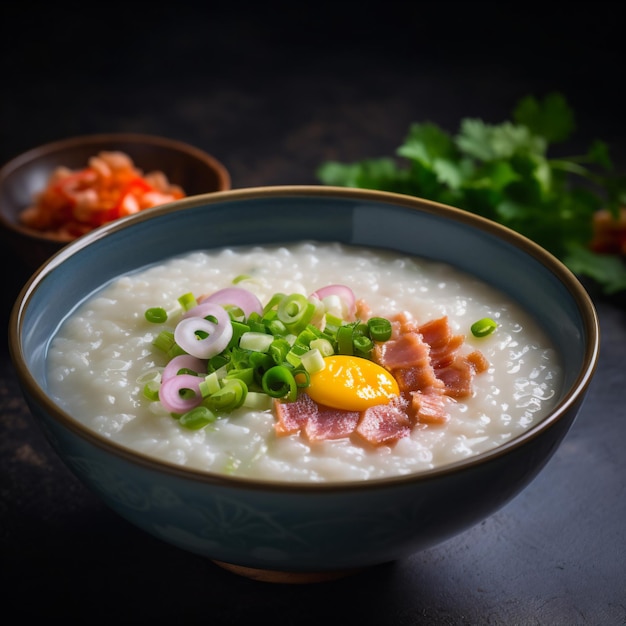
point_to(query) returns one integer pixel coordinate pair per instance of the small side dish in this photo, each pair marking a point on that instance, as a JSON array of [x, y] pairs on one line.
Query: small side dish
[[111, 186], [57, 192]]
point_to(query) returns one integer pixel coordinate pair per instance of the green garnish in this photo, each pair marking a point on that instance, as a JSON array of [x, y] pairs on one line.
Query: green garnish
[[503, 172], [197, 418], [279, 382], [151, 390], [483, 327], [187, 301], [164, 341], [270, 354], [156, 315], [380, 328]]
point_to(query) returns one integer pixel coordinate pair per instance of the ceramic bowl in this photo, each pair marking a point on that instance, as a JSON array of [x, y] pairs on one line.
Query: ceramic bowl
[[24, 176], [305, 532]]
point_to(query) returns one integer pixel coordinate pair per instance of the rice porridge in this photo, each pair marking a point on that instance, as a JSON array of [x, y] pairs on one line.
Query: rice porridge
[[98, 362]]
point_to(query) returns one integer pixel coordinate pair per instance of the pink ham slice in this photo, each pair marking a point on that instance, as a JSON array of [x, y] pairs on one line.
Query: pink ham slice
[[314, 420], [443, 344], [408, 350], [385, 423], [291, 417], [327, 423], [430, 408]]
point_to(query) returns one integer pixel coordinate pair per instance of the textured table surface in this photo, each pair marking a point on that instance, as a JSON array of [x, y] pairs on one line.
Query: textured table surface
[[273, 94]]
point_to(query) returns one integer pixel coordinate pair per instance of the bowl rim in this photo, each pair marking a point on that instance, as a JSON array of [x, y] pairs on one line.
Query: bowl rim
[[570, 400], [222, 174]]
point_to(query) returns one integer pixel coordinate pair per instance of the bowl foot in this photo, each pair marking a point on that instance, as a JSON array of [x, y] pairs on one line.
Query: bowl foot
[[291, 578]]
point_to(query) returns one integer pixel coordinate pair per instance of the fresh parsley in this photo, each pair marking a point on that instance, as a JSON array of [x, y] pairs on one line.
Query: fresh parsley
[[503, 172]]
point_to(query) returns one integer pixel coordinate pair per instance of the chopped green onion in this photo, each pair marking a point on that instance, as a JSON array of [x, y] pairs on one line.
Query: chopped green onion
[[257, 326], [345, 344], [175, 350], [230, 397], [151, 390], [238, 359], [379, 328], [278, 350], [293, 357], [260, 363], [235, 313], [260, 359], [217, 362], [323, 345], [363, 345], [278, 382], [273, 303], [258, 401], [197, 418], [210, 384], [276, 327], [239, 328], [245, 374], [332, 324], [187, 301], [312, 361], [258, 342], [164, 340], [295, 311], [483, 327], [156, 315]]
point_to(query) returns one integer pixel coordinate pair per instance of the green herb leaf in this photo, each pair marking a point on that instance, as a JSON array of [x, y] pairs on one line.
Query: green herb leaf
[[504, 172], [552, 119]]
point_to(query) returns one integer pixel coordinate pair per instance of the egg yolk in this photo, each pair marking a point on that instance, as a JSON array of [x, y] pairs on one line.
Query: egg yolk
[[352, 383]]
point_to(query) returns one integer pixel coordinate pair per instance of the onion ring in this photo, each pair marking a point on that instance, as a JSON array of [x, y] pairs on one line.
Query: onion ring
[[169, 393], [236, 296], [183, 361], [218, 333]]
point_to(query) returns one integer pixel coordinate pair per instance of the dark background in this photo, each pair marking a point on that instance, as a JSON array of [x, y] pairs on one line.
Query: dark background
[[273, 90]]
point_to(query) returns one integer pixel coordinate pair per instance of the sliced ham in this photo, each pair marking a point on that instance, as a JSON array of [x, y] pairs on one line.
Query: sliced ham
[[291, 417], [430, 407], [478, 361], [436, 333], [420, 376], [385, 423], [443, 344], [403, 323], [408, 350], [327, 423], [315, 421], [457, 378]]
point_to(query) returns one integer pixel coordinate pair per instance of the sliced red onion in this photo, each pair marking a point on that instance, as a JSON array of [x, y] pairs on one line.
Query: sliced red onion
[[344, 293], [236, 296], [219, 334], [169, 393], [183, 361]]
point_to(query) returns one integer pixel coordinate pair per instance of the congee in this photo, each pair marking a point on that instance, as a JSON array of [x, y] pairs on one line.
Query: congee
[[310, 362]]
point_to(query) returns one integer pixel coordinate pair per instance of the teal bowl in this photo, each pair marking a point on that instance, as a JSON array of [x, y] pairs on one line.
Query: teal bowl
[[293, 532]]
